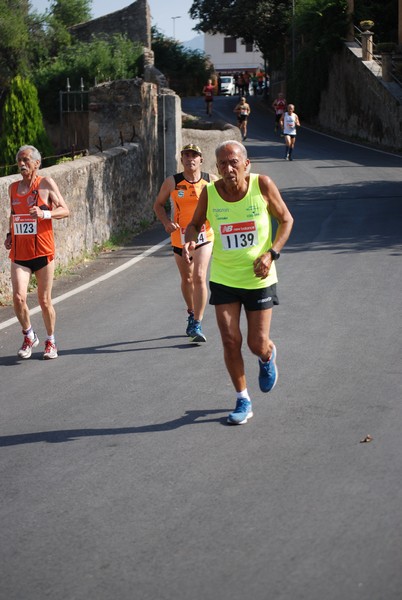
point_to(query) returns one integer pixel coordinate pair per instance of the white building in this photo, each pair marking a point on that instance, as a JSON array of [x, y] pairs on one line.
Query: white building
[[230, 55]]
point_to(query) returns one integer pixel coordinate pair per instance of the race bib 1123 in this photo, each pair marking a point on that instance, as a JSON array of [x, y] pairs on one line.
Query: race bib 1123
[[24, 225]]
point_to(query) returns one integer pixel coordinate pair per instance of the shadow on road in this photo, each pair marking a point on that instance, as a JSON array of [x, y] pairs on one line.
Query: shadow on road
[[191, 417], [111, 348]]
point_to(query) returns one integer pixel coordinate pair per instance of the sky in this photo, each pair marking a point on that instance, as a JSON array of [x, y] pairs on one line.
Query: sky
[[162, 12]]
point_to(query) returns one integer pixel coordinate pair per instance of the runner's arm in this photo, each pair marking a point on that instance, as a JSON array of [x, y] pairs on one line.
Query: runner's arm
[[195, 225], [280, 212], [51, 191], [277, 208], [163, 196], [7, 241]]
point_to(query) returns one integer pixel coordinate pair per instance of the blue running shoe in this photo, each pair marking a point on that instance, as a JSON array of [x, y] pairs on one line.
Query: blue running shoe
[[242, 413], [195, 334], [190, 323], [268, 373]]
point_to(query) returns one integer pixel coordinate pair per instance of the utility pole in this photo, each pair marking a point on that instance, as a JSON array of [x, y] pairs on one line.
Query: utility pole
[[174, 23]]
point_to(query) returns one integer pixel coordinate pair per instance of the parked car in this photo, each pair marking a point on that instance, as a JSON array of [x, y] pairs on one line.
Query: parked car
[[227, 85]]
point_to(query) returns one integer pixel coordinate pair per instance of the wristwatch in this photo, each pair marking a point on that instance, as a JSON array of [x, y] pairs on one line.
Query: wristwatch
[[275, 255]]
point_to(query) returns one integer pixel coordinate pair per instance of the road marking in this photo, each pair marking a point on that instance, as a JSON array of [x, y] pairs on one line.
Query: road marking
[[90, 284]]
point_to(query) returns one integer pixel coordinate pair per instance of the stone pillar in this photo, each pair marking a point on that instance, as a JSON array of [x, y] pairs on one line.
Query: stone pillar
[[386, 64], [367, 45]]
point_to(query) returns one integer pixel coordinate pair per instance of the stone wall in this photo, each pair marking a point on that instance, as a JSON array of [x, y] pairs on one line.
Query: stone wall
[[106, 193], [208, 140], [134, 21], [125, 109], [359, 104]]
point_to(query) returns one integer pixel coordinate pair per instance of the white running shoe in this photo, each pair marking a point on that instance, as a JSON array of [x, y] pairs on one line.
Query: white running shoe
[[26, 349], [50, 350]]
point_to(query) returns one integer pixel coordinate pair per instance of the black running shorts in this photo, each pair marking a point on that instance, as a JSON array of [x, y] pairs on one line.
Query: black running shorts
[[260, 299]]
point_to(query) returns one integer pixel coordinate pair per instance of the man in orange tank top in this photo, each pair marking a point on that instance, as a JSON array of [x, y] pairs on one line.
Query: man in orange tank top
[[35, 201], [183, 191]]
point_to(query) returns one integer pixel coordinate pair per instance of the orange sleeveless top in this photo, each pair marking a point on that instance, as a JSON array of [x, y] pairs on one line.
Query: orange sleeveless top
[[31, 237], [185, 198]]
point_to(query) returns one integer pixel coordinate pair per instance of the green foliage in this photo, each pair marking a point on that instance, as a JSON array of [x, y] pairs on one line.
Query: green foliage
[[14, 39], [186, 70], [263, 22], [21, 121], [321, 25], [102, 59], [64, 14], [39, 38], [71, 12]]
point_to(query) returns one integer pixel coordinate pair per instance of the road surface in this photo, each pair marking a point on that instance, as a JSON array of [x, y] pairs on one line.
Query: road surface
[[119, 475]]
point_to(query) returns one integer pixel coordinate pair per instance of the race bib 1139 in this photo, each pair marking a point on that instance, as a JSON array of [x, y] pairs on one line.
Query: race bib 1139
[[236, 236]]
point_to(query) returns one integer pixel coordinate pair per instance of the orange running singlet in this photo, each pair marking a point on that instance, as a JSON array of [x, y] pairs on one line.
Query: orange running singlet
[[185, 198], [31, 237]]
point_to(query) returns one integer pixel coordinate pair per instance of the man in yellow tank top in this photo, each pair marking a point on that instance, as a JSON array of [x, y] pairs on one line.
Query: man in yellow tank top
[[183, 191], [239, 207]]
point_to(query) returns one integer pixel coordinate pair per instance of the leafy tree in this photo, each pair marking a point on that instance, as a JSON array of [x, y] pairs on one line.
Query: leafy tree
[[321, 25], [14, 39], [114, 57], [185, 69], [39, 38], [71, 12], [262, 22], [63, 14], [22, 121]]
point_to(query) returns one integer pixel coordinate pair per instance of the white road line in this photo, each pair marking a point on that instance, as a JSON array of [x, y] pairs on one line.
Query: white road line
[[90, 284]]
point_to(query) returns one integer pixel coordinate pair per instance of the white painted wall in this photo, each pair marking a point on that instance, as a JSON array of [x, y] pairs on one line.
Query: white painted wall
[[231, 61]]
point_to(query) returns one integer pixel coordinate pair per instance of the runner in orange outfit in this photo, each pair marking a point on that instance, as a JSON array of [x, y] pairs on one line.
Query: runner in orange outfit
[[183, 190], [35, 201]]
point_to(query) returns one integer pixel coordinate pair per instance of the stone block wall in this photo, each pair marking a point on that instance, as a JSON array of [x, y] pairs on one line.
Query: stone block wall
[[134, 21], [122, 109], [359, 104], [127, 110], [208, 140]]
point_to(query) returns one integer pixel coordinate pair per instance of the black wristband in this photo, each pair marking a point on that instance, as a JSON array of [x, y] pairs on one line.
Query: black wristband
[[275, 255]]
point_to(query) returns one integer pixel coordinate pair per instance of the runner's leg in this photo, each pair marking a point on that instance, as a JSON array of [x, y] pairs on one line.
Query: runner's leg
[[201, 258], [44, 278], [228, 319], [187, 286], [258, 340], [20, 277]]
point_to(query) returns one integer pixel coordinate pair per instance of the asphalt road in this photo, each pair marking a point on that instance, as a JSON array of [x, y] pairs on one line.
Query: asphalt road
[[119, 475]]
